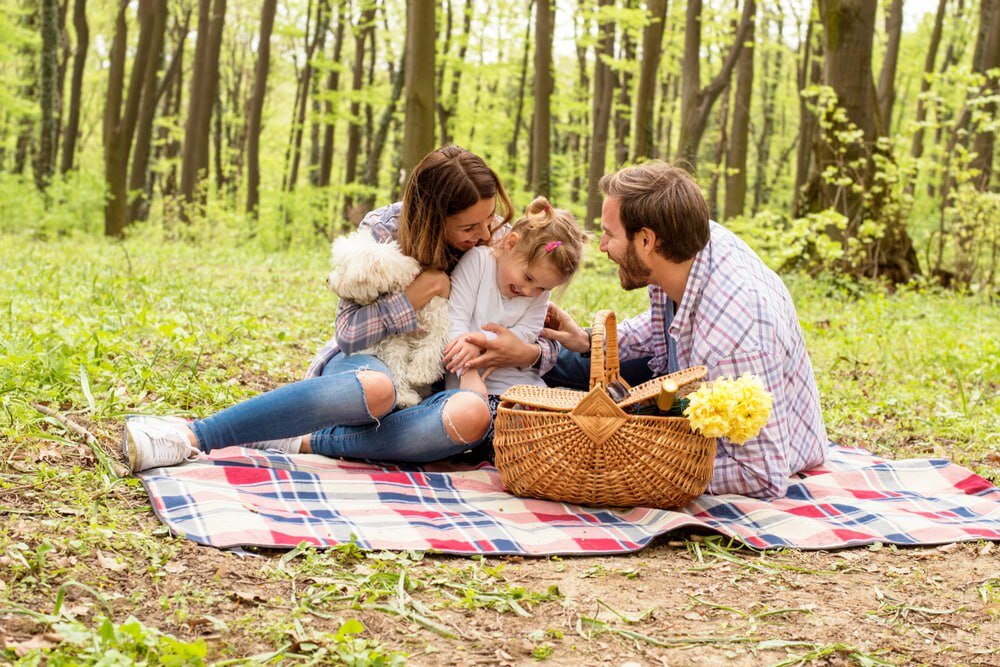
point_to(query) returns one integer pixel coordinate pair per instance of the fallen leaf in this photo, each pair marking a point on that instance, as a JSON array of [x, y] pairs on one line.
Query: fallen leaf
[[174, 567], [109, 562], [249, 597], [38, 642]]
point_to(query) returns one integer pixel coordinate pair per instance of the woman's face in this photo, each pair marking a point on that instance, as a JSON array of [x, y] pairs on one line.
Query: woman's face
[[467, 229]]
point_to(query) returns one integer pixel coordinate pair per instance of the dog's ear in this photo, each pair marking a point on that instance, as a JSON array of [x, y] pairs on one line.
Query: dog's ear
[[365, 269]]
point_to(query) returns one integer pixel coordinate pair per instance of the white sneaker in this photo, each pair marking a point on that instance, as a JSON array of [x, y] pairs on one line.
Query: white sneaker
[[153, 442]]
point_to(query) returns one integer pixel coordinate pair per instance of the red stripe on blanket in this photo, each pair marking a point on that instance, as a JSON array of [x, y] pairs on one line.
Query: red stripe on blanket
[[973, 484], [241, 475]]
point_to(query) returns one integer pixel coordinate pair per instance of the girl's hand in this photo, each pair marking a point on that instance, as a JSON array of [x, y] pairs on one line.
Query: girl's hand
[[427, 285], [463, 349], [504, 350]]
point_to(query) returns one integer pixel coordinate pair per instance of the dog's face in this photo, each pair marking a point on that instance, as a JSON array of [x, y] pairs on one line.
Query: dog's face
[[365, 269]]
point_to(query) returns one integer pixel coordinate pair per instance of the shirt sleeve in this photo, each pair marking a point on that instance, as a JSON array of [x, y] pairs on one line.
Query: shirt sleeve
[[359, 327], [635, 337], [759, 468], [465, 281], [530, 324]]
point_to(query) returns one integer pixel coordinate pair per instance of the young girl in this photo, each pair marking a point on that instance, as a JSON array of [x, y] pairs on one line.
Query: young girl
[[509, 284]]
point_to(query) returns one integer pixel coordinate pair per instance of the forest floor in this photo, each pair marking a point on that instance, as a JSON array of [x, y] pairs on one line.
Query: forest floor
[[87, 573]]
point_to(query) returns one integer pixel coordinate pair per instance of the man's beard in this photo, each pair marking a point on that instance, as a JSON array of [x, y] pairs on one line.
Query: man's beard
[[632, 273]]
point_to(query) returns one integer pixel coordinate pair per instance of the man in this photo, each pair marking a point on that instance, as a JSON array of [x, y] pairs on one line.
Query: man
[[713, 302]]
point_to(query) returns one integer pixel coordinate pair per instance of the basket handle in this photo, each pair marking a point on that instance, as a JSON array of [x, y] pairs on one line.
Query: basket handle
[[604, 363]]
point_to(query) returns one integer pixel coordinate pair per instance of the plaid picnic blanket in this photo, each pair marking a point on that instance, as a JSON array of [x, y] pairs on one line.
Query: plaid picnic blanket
[[242, 497]]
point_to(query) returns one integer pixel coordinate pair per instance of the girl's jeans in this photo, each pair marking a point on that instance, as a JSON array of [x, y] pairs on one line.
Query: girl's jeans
[[332, 409]]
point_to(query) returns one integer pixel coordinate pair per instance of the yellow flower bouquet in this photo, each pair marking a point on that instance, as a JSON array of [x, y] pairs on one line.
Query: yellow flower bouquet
[[734, 409]]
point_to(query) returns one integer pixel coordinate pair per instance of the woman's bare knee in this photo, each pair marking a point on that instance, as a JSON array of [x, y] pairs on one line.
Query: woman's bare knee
[[466, 417], [380, 394]]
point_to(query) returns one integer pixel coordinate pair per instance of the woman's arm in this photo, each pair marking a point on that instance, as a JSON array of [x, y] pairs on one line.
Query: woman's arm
[[359, 327]]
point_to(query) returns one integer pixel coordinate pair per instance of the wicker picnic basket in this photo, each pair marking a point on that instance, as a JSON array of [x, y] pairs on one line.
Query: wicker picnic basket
[[585, 448]]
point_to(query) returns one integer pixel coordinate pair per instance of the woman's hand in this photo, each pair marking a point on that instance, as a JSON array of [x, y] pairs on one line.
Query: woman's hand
[[427, 285], [562, 328], [504, 350]]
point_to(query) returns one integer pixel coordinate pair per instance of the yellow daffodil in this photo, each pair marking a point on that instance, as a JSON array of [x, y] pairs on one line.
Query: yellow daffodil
[[733, 409]]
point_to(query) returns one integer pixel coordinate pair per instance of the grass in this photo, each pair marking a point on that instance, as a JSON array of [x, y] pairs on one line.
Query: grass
[[92, 330]]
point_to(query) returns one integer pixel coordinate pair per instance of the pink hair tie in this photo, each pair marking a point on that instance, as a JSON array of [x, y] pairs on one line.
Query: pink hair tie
[[552, 245]]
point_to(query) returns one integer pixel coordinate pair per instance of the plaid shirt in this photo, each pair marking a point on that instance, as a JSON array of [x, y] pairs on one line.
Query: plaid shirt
[[736, 316], [359, 327]]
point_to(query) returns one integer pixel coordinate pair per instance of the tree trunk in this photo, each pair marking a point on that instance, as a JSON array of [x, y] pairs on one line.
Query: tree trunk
[[849, 28], [541, 139], [365, 25], [623, 109], [294, 152], [447, 107], [45, 159], [887, 79], [382, 133], [601, 113], [512, 145], [72, 128], [987, 62], [147, 110], [652, 43], [719, 155], [418, 134], [697, 102], [736, 157], [204, 83], [771, 68], [917, 148], [810, 72], [168, 144], [115, 150], [256, 109], [332, 90]]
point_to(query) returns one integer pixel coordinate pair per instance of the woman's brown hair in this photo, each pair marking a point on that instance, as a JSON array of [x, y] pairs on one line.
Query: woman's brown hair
[[447, 181]]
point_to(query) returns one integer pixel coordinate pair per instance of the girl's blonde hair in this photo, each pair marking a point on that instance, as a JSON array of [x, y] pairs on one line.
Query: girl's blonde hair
[[545, 231]]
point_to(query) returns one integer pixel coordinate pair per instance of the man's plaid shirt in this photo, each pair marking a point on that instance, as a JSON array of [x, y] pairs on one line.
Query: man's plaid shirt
[[736, 316]]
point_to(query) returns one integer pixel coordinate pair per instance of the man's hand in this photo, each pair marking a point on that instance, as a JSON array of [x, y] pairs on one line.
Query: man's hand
[[504, 350], [562, 328], [464, 348]]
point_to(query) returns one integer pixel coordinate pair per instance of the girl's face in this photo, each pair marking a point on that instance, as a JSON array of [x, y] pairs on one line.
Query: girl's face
[[517, 278], [467, 229]]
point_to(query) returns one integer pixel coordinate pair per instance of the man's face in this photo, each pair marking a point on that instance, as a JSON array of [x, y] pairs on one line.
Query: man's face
[[632, 271]]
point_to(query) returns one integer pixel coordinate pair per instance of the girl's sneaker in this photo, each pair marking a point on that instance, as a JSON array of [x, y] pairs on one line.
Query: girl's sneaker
[[153, 442]]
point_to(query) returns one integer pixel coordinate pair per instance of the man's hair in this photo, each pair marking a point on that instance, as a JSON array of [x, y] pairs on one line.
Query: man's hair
[[447, 181], [665, 199]]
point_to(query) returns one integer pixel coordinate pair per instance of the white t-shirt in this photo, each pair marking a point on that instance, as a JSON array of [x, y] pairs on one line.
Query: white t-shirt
[[476, 300]]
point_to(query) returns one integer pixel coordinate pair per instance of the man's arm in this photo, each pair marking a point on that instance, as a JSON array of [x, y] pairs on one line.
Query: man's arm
[[759, 468]]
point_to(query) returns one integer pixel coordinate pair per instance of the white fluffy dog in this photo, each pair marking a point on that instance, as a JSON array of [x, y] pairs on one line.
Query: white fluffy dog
[[364, 270]]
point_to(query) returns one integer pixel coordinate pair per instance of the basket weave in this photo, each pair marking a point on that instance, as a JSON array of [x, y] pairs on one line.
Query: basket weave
[[582, 447]]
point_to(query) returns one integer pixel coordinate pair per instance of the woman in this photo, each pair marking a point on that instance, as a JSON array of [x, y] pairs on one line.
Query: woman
[[345, 406]]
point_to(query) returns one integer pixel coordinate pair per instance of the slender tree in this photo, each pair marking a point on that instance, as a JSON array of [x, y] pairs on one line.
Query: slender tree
[[256, 108], [601, 113], [887, 79], [45, 158], [622, 110], [329, 96], [541, 140], [418, 136], [736, 157], [810, 72], [71, 129], [365, 27], [512, 145], [204, 84], [448, 104], [917, 147], [149, 97], [293, 154], [697, 101], [652, 47]]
